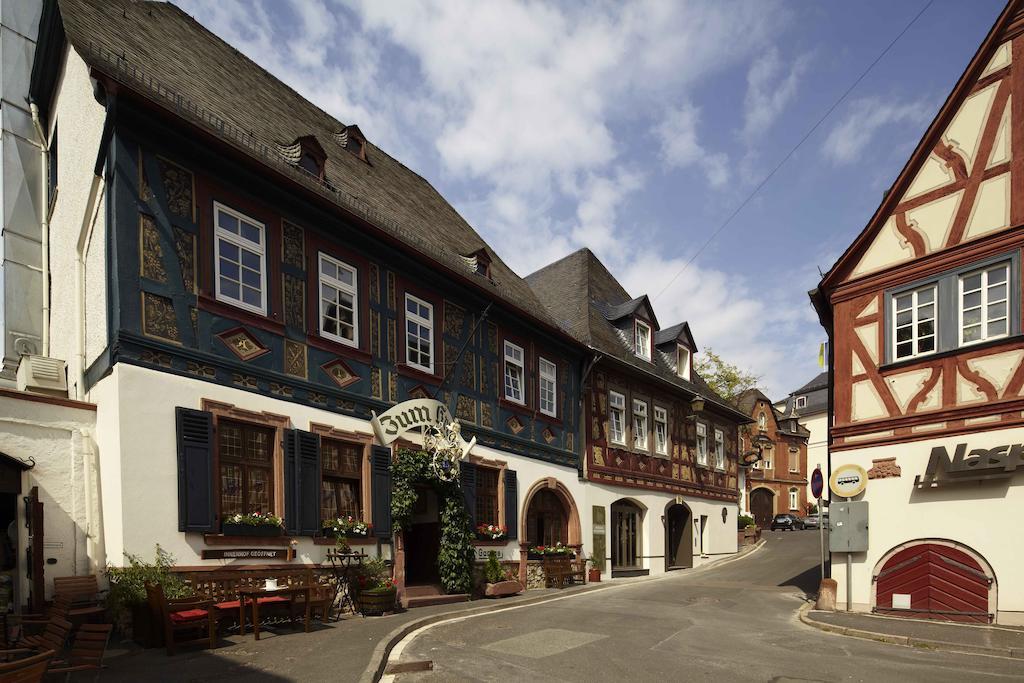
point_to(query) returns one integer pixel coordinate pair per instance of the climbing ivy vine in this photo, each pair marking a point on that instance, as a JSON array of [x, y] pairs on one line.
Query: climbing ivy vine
[[455, 559]]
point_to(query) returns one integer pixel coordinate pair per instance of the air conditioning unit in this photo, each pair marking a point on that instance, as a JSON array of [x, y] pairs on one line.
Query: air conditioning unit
[[42, 375]]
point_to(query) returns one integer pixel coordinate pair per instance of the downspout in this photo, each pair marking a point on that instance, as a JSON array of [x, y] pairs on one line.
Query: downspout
[[44, 150]]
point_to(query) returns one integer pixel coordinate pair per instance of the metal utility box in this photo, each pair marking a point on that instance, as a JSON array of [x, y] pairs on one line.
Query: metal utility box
[[848, 527]]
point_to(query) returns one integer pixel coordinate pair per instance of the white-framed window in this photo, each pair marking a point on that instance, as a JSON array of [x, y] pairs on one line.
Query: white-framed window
[[683, 361], [766, 457], [719, 449], [514, 372], [660, 431], [240, 244], [914, 322], [702, 444], [617, 417], [762, 421], [794, 461], [984, 304], [801, 401], [793, 499], [339, 299], [642, 339], [548, 391], [640, 424], [419, 333]]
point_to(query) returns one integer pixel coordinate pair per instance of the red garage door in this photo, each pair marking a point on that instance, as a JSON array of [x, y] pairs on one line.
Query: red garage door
[[943, 583]]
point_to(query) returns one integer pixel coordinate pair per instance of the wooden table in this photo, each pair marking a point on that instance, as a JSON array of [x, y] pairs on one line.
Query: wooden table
[[254, 594]]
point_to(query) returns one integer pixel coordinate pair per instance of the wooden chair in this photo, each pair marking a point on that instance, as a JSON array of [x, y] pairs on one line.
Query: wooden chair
[[27, 670], [183, 614], [84, 592], [87, 650], [563, 571], [53, 637]]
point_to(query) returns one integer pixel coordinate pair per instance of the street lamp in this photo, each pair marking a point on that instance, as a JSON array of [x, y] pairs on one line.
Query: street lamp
[[696, 406]]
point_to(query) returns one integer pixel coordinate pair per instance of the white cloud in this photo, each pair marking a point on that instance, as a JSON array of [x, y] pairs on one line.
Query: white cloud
[[769, 89], [865, 117], [680, 146]]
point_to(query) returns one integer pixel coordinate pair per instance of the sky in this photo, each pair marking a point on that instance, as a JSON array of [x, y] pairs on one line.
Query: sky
[[636, 129]]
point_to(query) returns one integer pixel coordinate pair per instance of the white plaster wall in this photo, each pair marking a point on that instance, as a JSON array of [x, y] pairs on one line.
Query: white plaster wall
[[79, 120], [59, 439], [96, 286], [817, 448], [984, 516], [719, 537], [138, 440]]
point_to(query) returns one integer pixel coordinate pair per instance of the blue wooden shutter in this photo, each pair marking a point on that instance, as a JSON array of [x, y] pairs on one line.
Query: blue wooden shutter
[[301, 482], [381, 486], [511, 505], [195, 470], [467, 480]]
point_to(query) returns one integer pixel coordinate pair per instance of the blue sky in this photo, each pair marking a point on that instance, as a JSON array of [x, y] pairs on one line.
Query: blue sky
[[636, 129]]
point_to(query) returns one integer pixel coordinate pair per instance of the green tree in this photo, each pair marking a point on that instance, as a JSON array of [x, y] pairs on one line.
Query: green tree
[[728, 380]]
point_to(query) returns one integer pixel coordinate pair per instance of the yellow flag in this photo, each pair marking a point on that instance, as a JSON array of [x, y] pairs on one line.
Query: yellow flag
[[821, 355]]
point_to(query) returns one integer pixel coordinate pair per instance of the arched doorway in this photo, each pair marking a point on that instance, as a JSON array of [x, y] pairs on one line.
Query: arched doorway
[[627, 538], [678, 537], [935, 579], [547, 519], [762, 506]]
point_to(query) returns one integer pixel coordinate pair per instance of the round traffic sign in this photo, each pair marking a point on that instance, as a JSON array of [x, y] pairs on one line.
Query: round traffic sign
[[848, 480], [817, 483]]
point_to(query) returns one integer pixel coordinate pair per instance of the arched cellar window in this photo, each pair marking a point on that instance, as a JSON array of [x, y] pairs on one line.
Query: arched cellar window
[[547, 520]]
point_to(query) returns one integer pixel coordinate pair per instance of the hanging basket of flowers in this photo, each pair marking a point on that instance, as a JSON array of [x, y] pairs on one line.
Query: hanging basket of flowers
[[253, 524]]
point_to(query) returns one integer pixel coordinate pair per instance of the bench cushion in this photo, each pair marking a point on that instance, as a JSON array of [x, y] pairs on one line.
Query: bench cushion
[[230, 604], [188, 615], [272, 599]]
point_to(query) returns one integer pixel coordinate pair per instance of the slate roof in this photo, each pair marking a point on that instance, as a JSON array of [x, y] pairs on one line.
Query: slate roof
[[161, 53], [816, 392], [749, 398], [671, 334], [819, 382], [619, 311], [578, 291]]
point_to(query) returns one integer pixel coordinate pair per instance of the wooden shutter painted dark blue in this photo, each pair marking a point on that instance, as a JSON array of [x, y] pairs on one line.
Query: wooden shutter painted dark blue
[[511, 505], [467, 480], [302, 482], [195, 470], [381, 491]]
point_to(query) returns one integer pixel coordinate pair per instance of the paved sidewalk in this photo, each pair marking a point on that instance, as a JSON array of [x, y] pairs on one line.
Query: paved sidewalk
[[1001, 641]]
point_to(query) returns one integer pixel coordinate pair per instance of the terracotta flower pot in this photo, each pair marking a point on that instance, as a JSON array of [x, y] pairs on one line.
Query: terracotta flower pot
[[594, 575], [503, 588]]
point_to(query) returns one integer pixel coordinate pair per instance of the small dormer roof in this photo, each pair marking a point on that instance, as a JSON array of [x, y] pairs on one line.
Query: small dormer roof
[[677, 334], [631, 307]]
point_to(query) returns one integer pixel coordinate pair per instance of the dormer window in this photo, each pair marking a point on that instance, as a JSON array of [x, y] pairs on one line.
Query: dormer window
[[479, 262], [352, 139], [307, 154], [683, 362], [801, 401], [307, 162], [642, 339]]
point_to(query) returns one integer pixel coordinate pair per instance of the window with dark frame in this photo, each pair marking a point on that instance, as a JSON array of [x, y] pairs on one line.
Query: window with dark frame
[[487, 496], [246, 468], [341, 483]]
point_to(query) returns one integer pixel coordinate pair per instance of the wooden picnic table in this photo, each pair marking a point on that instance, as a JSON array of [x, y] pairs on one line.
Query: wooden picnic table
[[257, 594]]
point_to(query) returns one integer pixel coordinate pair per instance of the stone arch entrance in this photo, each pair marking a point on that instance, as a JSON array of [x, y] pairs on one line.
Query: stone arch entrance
[[627, 537], [935, 579], [678, 537], [762, 506]]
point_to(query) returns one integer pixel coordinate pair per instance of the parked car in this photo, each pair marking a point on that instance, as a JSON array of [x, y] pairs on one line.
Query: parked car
[[810, 522], [786, 522]]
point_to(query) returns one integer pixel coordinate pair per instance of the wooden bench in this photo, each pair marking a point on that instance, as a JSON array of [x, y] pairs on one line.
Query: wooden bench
[[84, 593], [221, 586], [563, 571]]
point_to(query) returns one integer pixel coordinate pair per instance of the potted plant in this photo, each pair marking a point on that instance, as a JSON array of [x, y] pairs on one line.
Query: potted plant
[[376, 588], [539, 552], [253, 524], [596, 567], [346, 527], [499, 582], [490, 532], [127, 596]]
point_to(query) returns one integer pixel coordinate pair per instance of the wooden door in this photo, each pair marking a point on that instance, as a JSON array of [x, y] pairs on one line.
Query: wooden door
[[939, 582], [762, 507], [34, 512]]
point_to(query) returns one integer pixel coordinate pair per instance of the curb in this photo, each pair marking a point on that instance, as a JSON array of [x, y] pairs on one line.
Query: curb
[[382, 652], [909, 641]]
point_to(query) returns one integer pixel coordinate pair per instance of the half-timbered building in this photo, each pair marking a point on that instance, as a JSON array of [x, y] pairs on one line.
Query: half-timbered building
[[661, 458], [777, 483], [239, 280], [927, 359]]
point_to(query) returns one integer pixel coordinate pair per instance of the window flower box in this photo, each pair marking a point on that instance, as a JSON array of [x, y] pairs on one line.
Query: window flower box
[[503, 588], [490, 532], [345, 527], [253, 524]]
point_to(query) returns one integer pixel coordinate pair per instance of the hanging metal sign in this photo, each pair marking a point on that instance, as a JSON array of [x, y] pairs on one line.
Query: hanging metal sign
[[442, 433], [848, 480]]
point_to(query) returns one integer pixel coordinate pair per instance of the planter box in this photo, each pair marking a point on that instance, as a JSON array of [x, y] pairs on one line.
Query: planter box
[[503, 588], [331, 533], [594, 576], [374, 604], [263, 530]]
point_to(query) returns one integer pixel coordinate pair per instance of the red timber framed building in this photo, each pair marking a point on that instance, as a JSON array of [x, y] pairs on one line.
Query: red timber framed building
[[927, 358]]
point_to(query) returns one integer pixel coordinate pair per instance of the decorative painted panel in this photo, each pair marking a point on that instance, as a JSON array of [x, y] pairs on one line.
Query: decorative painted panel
[[152, 257], [158, 318], [295, 362], [293, 250], [294, 301], [179, 186], [185, 247]]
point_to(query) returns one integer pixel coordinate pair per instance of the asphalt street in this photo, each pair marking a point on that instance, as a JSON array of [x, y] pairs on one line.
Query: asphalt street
[[734, 622]]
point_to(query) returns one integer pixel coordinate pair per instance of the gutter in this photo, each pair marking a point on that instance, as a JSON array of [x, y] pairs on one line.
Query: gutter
[[44, 151]]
